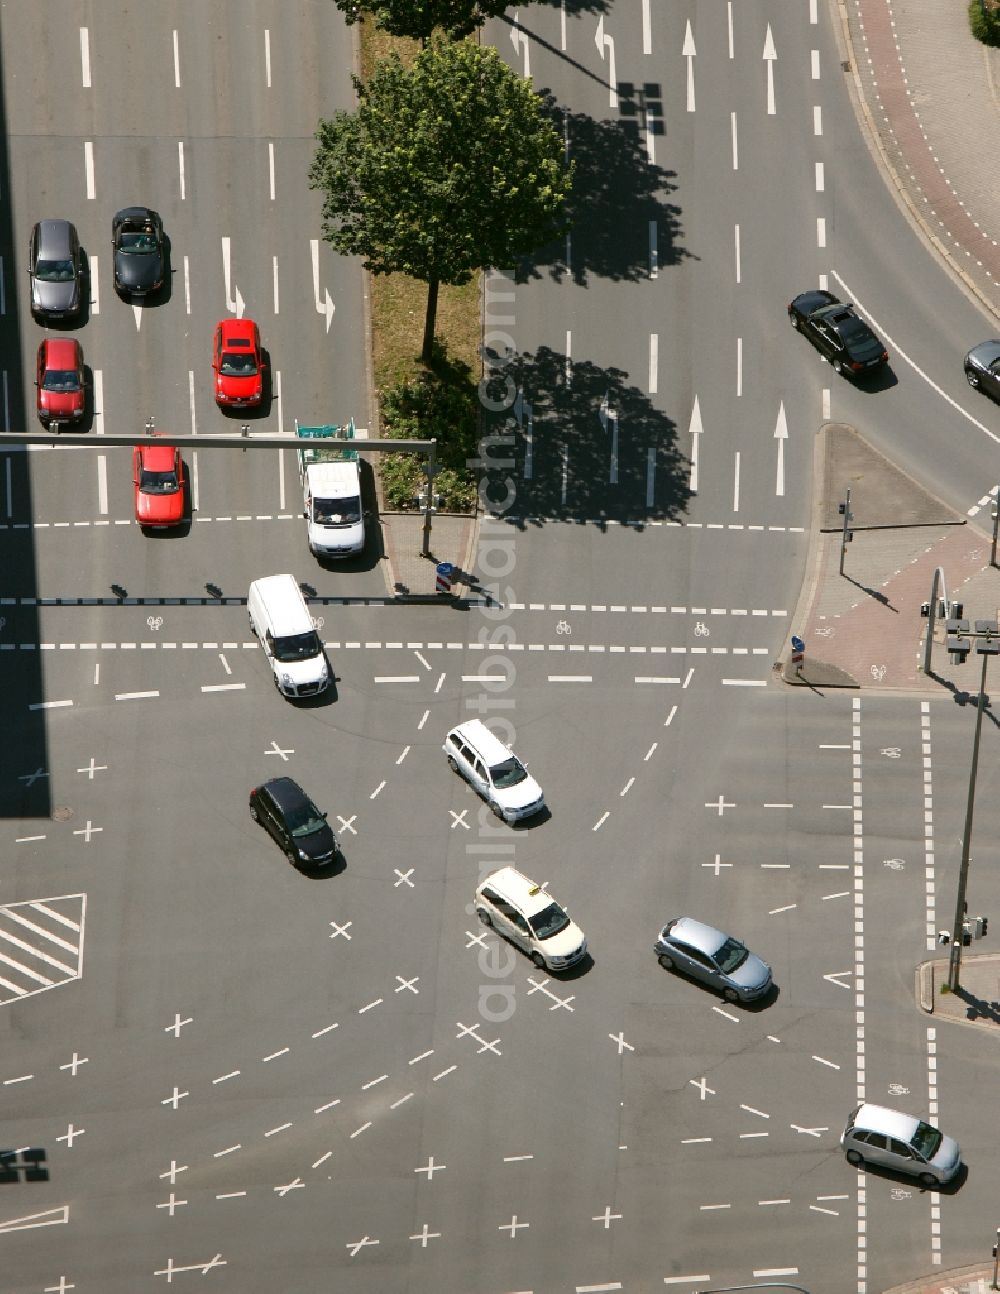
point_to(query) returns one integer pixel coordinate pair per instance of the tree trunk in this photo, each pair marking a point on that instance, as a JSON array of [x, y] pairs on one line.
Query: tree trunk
[[427, 354]]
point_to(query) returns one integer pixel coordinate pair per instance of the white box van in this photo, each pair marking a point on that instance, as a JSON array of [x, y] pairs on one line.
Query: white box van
[[281, 620], [493, 770]]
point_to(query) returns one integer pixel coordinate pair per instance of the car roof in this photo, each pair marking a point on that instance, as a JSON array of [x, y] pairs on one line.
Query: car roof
[[55, 239], [234, 330], [893, 1123], [704, 937], [285, 792], [987, 351], [61, 352], [520, 889], [486, 742], [135, 213], [158, 457]]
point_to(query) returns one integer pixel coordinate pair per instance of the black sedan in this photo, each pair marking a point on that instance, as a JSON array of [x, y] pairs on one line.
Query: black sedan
[[982, 367], [299, 828], [138, 253], [837, 333]]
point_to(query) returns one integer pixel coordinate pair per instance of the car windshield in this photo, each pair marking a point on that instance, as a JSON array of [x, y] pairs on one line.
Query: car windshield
[[731, 955], [137, 244], [509, 773], [236, 365], [303, 819], [158, 482], [297, 646], [549, 921], [926, 1140], [61, 379], [337, 512], [55, 271]]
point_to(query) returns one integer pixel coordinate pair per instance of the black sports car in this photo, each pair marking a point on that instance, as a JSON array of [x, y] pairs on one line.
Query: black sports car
[[837, 333], [137, 246]]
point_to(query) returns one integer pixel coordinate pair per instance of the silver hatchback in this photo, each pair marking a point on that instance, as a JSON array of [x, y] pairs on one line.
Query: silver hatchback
[[54, 270], [876, 1135], [715, 958]]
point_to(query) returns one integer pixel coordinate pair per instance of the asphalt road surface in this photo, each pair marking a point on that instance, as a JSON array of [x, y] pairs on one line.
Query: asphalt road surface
[[220, 1073]]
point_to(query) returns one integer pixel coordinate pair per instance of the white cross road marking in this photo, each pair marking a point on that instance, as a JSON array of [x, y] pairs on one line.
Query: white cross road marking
[[92, 768], [493, 1046], [717, 865], [177, 1025], [808, 1132], [479, 939], [75, 1063], [347, 824], [458, 819], [703, 1088], [61, 1288], [29, 779], [173, 1171], [513, 1226], [297, 1185], [607, 1217], [276, 750], [557, 1002], [172, 1203], [88, 831], [623, 1046], [404, 878], [341, 930], [176, 1099], [720, 804], [407, 983], [425, 1235], [170, 1271], [430, 1168], [356, 1247], [71, 1132]]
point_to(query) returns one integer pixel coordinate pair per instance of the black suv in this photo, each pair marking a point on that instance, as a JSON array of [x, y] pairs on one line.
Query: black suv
[[293, 820], [837, 333]]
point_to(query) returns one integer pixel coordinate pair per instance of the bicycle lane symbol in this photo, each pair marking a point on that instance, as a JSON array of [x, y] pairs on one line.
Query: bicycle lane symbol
[[701, 630]]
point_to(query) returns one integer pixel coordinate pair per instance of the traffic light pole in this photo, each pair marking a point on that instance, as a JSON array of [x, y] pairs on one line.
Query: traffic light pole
[[847, 535], [987, 640]]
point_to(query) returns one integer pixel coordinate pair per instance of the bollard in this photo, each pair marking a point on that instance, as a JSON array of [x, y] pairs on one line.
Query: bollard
[[443, 574]]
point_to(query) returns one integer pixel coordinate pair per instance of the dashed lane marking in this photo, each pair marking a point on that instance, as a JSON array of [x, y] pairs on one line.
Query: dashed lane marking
[[610, 648]]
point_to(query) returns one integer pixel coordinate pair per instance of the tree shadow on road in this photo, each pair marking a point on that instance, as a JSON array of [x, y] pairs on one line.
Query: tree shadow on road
[[575, 452]]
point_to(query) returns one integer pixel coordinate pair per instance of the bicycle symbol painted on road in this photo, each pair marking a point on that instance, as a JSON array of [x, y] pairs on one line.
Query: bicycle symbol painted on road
[[563, 627], [891, 752], [154, 622], [825, 631], [701, 630], [878, 673], [897, 864], [897, 1089]]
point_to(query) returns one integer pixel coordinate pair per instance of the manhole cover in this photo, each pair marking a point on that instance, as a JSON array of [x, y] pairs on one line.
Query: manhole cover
[[62, 813]]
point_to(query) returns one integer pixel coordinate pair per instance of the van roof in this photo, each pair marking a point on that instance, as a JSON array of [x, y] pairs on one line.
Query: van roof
[[485, 741], [514, 885], [893, 1123], [281, 595]]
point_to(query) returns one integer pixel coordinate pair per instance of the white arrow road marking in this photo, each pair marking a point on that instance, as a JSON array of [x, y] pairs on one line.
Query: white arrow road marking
[[324, 306], [689, 52], [520, 38], [137, 311], [234, 303], [836, 977], [769, 57], [602, 42], [781, 435], [695, 429]]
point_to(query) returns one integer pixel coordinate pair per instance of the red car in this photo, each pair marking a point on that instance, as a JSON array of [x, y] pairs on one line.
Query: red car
[[59, 379], [158, 475], [236, 361]]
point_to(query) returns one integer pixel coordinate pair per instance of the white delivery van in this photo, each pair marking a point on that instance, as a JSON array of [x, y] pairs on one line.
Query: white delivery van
[[281, 620], [331, 490]]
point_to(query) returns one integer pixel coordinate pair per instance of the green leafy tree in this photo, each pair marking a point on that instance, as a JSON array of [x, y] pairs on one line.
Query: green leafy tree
[[418, 18], [443, 169]]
